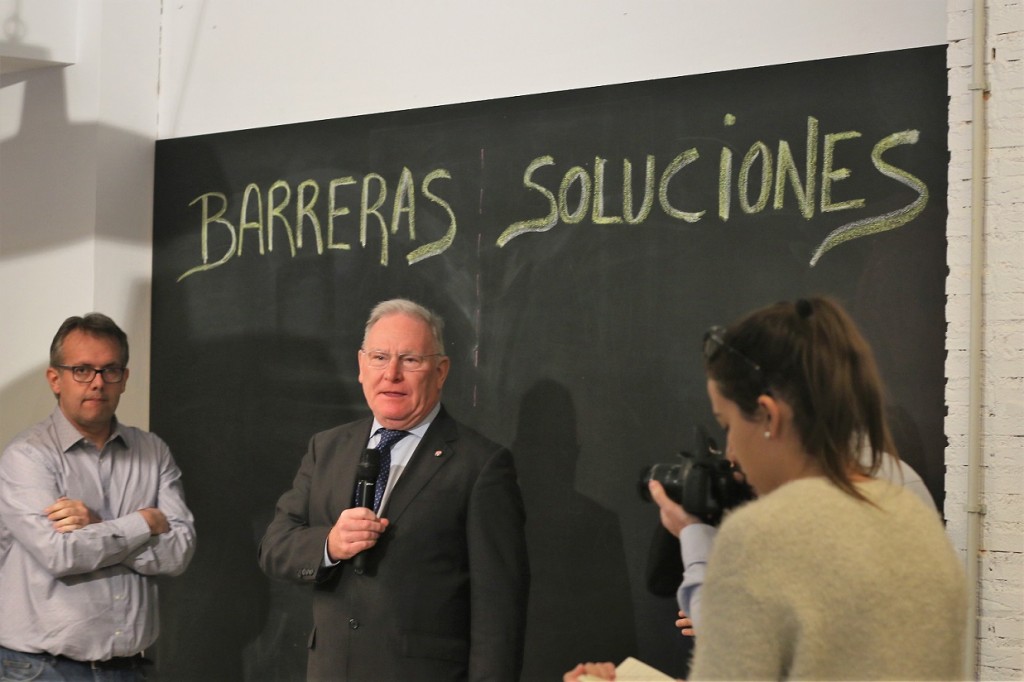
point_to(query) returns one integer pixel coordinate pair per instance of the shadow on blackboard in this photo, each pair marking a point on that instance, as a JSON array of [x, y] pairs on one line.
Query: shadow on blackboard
[[223, 619], [580, 600]]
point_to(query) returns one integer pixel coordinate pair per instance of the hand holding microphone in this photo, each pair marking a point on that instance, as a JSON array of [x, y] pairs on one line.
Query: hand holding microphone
[[358, 528]]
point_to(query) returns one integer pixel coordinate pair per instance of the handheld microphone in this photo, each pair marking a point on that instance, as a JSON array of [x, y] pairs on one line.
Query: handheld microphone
[[366, 481], [366, 478]]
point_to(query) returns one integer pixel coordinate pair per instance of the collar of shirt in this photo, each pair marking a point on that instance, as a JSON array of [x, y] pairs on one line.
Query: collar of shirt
[[401, 452]]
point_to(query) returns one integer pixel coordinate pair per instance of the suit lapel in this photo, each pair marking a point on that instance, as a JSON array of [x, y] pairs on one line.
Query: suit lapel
[[434, 452]]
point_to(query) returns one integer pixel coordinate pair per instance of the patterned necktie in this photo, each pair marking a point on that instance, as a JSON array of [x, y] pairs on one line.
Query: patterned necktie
[[388, 437]]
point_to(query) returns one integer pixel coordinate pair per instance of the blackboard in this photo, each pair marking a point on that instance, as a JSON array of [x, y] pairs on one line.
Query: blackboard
[[578, 244]]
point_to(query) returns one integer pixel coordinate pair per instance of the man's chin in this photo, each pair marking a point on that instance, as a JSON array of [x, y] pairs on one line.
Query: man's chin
[[391, 410], [396, 420], [98, 415]]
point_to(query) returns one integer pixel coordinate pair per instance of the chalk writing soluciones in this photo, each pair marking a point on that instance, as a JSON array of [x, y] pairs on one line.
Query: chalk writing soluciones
[[667, 192]]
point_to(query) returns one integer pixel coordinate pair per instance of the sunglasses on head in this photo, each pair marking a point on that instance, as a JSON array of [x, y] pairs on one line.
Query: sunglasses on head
[[714, 343]]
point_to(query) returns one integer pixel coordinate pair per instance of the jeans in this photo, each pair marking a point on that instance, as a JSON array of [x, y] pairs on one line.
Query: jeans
[[16, 666]]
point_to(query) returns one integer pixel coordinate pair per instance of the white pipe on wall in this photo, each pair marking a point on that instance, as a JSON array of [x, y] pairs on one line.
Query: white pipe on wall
[[975, 502]]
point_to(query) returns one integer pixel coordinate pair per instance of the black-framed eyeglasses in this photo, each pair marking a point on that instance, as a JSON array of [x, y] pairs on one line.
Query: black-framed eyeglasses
[[714, 342], [409, 362], [84, 374]]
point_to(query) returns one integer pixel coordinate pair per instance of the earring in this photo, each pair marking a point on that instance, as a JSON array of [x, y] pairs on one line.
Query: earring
[[767, 435]]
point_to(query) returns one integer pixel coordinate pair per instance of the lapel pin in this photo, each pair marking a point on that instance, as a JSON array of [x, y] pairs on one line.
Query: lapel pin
[[437, 453]]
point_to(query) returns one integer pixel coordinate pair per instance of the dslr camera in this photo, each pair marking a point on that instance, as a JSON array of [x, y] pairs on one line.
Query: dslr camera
[[703, 482]]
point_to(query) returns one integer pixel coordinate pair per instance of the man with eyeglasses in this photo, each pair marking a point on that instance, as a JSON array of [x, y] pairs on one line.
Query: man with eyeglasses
[[91, 511], [428, 578]]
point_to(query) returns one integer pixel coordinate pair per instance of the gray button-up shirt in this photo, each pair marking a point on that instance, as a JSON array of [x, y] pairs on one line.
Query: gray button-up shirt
[[87, 594]]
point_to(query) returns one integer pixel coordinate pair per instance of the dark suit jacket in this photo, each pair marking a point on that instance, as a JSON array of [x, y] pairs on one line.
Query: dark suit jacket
[[444, 593]]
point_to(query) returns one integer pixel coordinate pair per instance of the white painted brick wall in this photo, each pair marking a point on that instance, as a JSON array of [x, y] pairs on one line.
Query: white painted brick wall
[[1001, 585]]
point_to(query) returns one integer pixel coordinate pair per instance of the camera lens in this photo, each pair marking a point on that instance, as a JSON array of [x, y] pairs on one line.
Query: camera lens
[[668, 475]]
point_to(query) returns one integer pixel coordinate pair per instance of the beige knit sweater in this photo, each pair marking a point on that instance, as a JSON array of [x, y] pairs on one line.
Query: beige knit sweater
[[810, 583]]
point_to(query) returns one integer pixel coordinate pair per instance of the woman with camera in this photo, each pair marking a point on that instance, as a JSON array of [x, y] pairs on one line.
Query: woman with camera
[[694, 537], [832, 572]]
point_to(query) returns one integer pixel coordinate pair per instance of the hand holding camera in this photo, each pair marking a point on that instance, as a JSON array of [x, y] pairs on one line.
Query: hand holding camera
[[704, 483], [672, 515]]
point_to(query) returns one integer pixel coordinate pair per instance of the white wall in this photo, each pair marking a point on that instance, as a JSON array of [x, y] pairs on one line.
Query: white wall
[[76, 187], [237, 64], [1001, 587], [76, 158]]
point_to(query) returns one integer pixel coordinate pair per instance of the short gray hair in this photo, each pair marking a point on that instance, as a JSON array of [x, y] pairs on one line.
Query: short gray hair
[[403, 306]]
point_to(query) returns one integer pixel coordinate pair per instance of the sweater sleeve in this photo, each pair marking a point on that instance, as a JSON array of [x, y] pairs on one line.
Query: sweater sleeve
[[744, 630]]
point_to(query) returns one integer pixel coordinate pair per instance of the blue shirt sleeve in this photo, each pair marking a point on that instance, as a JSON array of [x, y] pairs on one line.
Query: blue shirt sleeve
[[695, 543]]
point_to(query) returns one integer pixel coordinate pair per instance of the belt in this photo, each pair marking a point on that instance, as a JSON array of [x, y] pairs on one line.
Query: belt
[[115, 663]]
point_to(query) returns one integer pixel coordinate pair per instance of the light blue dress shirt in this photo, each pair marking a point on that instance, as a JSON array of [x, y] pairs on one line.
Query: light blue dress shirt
[[87, 594]]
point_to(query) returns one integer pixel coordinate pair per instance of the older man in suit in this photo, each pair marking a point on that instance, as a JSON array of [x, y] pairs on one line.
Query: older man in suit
[[434, 585]]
